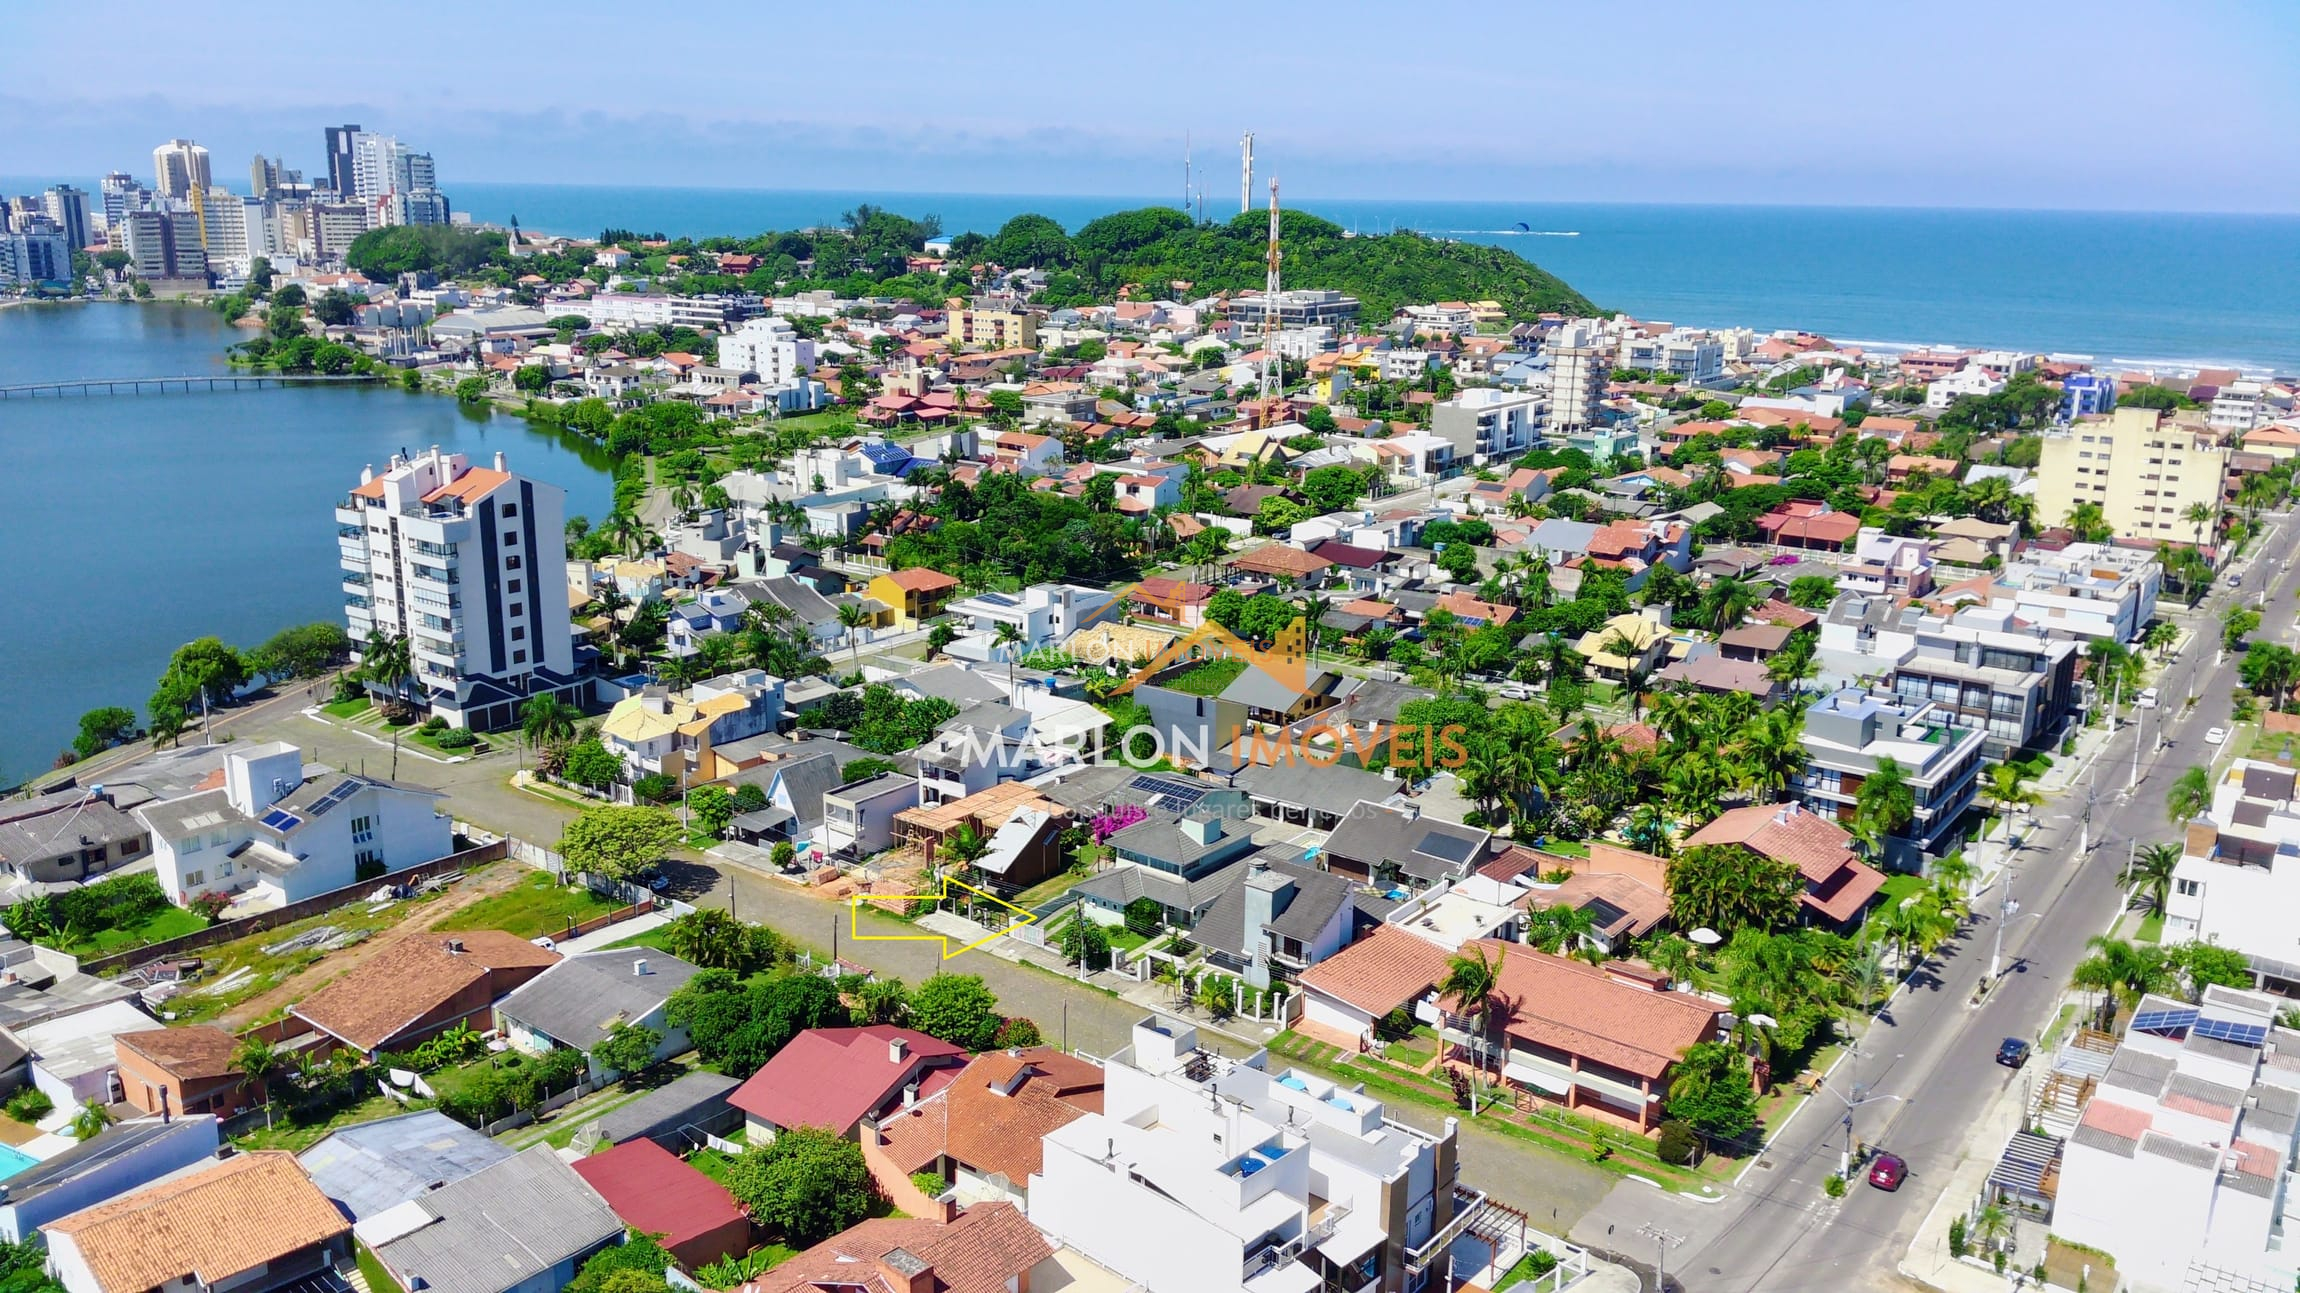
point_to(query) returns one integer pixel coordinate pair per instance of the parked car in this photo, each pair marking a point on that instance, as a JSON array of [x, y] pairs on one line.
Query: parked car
[[2147, 699], [1516, 691], [2216, 736], [1888, 1172], [2012, 1052]]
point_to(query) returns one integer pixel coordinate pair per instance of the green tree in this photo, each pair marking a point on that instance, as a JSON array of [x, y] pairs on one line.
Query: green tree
[[91, 1120], [1472, 984], [1725, 887], [2190, 795], [1883, 807], [854, 770], [2268, 671], [2152, 869], [712, 808], [958, 1008], [591, 763], [1714, 1091], [206, 667], [103, 728], [627, 1050], [807, 1183], [335, 308], [1085, 943], [471, 390], [546, 719], [737, 1027], [1031, 241], [618, 841], [1812, 592], [2129, 970], [634, 1266], [531, 378], [2209, 963]]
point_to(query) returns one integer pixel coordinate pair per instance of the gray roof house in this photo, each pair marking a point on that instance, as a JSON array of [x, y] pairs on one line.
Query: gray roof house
[[1304, 794], [1176, 856], [675, 1115], [1278, 915], [369, 1167], [528, 1222], [1398, 846], [577, 1002]]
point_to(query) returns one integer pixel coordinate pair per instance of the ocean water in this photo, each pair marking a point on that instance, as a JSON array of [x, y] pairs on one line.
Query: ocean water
[[2115, 287], [130, 524]]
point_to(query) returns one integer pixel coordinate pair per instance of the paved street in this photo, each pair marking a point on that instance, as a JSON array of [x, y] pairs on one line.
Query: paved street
[[1781, 1234]]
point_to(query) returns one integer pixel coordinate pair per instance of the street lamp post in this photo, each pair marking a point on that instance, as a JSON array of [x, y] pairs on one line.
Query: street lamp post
[[1861, 1095]]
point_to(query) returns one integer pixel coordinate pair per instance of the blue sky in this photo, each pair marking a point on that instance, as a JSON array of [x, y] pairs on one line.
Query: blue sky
[[2126, 104]]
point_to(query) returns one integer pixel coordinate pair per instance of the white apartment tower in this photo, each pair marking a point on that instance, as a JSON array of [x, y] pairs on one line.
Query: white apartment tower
[[1579, 364], [180, 169], [468, 564], [770, 347]]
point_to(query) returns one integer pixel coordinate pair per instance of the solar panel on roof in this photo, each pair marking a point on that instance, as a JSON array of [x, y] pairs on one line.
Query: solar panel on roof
[[2229, 1030], [1173, 796], [342, 791], [279, 819], [1451, 848], [2163, 1021], [1603, 912]]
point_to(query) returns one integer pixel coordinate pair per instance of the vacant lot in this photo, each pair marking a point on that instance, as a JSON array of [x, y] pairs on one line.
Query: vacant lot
[[538, 905]]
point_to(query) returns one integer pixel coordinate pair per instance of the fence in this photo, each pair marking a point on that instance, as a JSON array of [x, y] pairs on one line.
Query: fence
[[227, 931]]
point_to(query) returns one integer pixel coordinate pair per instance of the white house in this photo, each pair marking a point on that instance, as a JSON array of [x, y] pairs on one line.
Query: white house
[[1972, 379], [1044, 614], [1217, 1175], [287, 830], [577, 1003], [769, 347], [2238, 880]]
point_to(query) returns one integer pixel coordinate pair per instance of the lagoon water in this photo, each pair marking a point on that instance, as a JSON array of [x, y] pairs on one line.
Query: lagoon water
[[130, 524]]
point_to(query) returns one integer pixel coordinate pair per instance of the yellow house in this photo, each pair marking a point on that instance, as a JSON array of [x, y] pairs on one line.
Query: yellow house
[[1252, 447], [1646, 640], [915, 595], [658, 732]]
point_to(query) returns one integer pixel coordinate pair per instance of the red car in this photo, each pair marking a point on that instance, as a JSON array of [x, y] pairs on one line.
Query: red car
[[1888, 1172]]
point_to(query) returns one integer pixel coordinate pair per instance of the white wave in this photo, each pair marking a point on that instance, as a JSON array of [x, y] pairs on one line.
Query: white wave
[[1521, 233]]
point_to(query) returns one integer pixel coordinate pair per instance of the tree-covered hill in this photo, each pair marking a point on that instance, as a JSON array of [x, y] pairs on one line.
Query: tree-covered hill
[[1153, 246]]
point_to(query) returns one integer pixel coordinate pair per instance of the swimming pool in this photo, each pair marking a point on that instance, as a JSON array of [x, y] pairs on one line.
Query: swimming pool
[[14, 1160]]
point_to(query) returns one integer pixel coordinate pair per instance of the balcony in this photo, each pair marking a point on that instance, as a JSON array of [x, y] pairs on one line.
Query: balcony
[[432, 575], [445, 551]]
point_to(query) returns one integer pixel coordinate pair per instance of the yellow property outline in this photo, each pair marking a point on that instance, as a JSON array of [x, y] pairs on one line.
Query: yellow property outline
[[854, 917]]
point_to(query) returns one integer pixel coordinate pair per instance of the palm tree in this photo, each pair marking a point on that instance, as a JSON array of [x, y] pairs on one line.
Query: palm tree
[[1315, 608], [2152, 874], [1725, 601], [1952, 880], [851, 618], [1694, 785], [2090, 523], [2160, 637], [1992, 1226], [257, 1061], [2189, 796], [2130, 970], [1866, 973], [546, 718], [91, 1120], [1473, 983], [388, 662], [1651, 828], [1769, 751], [1009, 635], [2006, 789], [710, 939], [1883, 806], [2201, 515]]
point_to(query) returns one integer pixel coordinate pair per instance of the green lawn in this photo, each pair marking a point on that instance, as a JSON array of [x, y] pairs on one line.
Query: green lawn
[[2151, 928], [712, 1163], [379, 1280], [1899, 888], [1123, 939], [283, 1134], [539, 905], [1052, 888], [657, 938], [1207, 679], [352, 708], [168, 922]]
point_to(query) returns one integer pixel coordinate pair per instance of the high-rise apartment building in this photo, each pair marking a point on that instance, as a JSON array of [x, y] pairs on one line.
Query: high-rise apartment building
[[121, 194], [180, 169], [770, 347], [468, 565], [334, 225], [68, 207], [267, 178], [342, 144], [35, 252], [1579, 365], [162, 244], [2154, 476]]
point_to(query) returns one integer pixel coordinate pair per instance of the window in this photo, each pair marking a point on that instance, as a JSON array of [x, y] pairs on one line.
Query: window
[[519, 657], [511, 538], [194, 879], [224, 869], [519, 633], [192, 844], [509, 510], [2189, 888], [518, 609], [514, 586], [511, 562], [362, 829]]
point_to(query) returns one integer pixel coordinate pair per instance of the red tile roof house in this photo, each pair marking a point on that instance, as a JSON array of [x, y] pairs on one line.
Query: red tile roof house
[[1802, 523], [422, 987], [988, 1248], [1599, 1039], [1838, 885], [984, 1132], [657, 1193], [1171, 601], [834, 1078]]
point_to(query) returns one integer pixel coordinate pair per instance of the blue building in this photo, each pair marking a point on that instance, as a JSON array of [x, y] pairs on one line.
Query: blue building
[[2086, 395]]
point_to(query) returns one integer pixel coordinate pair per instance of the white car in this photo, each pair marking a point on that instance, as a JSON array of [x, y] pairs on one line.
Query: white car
[[2216, 736], [1516, 691], [2147, 699]]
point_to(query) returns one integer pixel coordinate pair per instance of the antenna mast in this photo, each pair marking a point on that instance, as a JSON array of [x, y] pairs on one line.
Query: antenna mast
[[1246, 173], [1186, 172], [1272, 379]]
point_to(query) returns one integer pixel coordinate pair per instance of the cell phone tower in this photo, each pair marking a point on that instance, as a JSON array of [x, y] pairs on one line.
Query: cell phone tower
[[1273, 378]]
